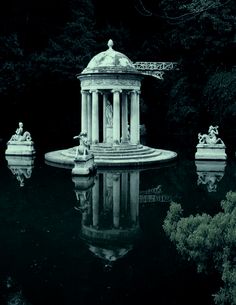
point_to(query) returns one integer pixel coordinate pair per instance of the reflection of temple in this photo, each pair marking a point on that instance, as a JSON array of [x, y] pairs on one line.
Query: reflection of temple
[[210, 173], [109, 204], [21, 167]]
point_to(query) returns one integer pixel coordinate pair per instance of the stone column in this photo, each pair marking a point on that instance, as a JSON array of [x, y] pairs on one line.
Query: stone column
[[124, 114], [95, 117], [84, 115], [95, 202], [116, 116], [116, 200], [104, 116], [134, 196], [89, 109], [138, 116], [135, 118]]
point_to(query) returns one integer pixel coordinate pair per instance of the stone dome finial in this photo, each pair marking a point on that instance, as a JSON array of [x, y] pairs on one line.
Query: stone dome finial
[[110, 43]]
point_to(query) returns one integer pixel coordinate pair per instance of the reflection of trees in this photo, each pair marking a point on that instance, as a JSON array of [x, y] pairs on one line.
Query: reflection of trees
[[208, 240]]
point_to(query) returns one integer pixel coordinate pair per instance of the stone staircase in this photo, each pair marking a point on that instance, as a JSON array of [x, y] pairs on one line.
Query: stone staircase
[[120, 155]]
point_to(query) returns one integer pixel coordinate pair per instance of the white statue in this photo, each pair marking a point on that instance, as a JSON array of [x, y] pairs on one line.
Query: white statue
[[109, 114], [20, 135], [210, 138], [83, 148]]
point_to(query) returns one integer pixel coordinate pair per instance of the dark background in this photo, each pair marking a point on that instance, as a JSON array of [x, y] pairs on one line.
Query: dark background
[[44, 44]]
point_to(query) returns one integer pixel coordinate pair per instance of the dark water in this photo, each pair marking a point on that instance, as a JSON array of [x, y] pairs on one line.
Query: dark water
[[97, 241]]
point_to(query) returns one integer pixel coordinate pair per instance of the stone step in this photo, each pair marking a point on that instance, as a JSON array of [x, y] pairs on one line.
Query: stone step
[[138, 151], [129, 154], [124, 157], [116, 147], [136, 161], [135, 157]]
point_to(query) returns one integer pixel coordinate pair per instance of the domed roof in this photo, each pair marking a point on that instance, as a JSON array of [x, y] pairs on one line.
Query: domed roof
[[110, 61]]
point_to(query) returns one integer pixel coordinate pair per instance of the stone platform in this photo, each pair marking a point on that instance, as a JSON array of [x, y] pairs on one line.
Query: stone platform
[[114, 156], [20, 148], [210, 152], [84, 165]]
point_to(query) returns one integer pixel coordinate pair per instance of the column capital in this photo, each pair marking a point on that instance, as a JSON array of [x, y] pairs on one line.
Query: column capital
[[116, 90], [130, 92], [115, 176], [136, 91], [93, 90], [82, 91], [125, 92]]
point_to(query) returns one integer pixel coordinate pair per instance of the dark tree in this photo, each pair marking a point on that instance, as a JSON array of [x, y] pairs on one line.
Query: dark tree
[[210, 241]]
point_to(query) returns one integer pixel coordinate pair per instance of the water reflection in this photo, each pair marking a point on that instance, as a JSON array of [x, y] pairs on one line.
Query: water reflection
[[119, 215], [210, 173], [154, 195], [109, 204], [21, 167]]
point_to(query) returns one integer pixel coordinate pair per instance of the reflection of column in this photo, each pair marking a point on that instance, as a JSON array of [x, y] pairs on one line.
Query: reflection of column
[[124, 118], [116, 116], [116, 200], [134, 196], [134, 118], [84, 115], [124, 192], [95, 202], [107, 191], [89, 101], [95, 117]]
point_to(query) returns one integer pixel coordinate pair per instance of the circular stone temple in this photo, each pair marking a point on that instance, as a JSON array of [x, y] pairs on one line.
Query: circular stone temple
[[110, 114]]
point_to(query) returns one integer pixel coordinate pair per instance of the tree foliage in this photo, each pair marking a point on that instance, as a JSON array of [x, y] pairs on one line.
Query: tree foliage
[[68, 52], [199, 35], [208, 241], [13, 65]]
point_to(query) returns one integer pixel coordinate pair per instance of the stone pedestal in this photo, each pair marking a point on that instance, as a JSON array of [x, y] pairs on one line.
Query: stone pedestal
[[109, 135], [210, 152], [20, 148], [84, 165]]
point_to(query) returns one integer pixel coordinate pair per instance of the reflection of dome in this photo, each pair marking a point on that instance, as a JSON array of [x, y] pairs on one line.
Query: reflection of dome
[[110, 61], [110, 254], [110, 245]]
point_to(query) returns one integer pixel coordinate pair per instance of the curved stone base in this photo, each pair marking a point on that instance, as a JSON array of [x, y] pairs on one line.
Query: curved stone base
[[120, 155]]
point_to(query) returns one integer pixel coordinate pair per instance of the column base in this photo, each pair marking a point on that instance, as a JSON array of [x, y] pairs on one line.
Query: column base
[[116, 142]]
